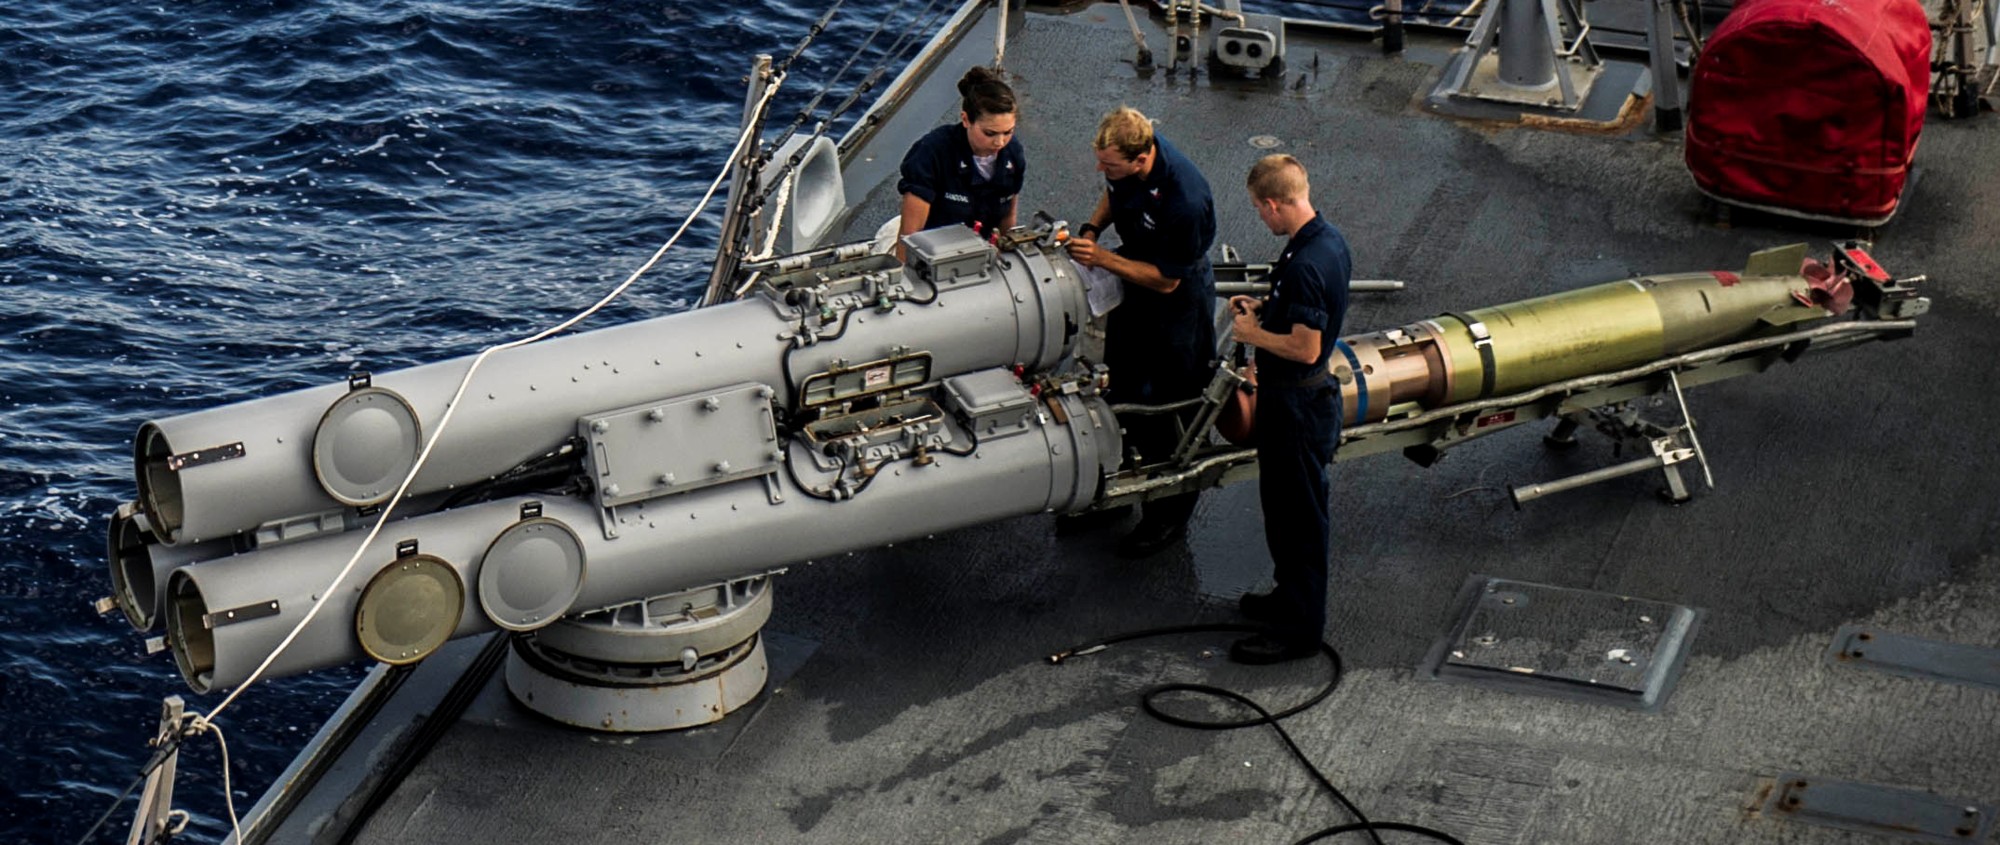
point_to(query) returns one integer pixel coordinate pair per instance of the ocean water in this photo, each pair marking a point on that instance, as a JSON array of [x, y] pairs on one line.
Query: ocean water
[[207, 201]]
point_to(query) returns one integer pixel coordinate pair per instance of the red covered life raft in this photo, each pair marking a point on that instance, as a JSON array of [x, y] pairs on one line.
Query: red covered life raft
[[1811, 107]]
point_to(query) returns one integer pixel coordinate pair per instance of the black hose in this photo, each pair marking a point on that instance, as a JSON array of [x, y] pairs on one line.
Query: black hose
[[971, 435], [1148, 699], [1337, 830], [934, 293], [822, 495], [159, 757], [785, 358]]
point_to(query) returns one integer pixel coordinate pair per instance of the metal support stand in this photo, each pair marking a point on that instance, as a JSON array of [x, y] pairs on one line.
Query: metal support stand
[[1516, 54], [1144, 60], [1392, 27], [1666, 76], [156, 820], [1186, 37], [742, 184], [1670, 446], [1527, 58], [1221, 388], [1956, 88]]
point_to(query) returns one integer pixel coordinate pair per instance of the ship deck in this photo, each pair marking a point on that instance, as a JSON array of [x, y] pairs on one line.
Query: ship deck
[[911, 697]]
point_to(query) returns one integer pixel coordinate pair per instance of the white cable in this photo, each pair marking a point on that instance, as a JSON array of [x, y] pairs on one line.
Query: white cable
[[777, 215], [228, 798], [197, 724], [206, 721], [771, 233]]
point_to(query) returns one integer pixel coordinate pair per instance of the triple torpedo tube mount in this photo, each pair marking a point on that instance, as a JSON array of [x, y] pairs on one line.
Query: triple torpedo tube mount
[[619, 498]]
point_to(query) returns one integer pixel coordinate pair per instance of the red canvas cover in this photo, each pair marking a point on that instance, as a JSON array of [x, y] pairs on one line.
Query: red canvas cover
[[1811, 106]]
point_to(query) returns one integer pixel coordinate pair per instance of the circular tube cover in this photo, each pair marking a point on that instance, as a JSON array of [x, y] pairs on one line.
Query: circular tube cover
[[409, 609], [131, 567], [531, 574], [364, 446]]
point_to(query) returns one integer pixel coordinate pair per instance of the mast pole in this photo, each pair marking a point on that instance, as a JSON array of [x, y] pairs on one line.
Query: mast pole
[[729, 248]]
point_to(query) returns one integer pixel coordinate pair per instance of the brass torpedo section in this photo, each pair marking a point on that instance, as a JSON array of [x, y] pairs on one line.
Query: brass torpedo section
[[1584, 357]]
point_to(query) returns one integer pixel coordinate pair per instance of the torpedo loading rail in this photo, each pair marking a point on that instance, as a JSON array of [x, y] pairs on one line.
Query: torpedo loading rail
[[1583, 357]]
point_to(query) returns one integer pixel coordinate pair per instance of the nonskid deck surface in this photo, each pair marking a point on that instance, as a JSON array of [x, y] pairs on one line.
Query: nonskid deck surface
[[918, 704]]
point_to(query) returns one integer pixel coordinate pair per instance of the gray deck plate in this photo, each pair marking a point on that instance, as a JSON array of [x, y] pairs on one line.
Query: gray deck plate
[[1575, 644], [1865, 647], [1869, 808]]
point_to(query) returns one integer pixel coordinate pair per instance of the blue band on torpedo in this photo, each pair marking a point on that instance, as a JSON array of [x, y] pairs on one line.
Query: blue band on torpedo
[[1360, 382]]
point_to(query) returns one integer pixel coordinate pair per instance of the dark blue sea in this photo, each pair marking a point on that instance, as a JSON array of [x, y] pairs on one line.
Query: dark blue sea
[[203, 202]]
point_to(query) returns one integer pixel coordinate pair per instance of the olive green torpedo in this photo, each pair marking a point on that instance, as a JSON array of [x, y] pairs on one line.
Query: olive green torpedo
[[1464, 356]]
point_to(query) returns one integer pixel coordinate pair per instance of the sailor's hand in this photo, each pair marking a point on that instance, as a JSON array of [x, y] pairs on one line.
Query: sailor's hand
[[1085, 251], [1243, 316]]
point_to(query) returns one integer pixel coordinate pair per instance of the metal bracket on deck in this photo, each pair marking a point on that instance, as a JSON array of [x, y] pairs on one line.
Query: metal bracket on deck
[[1527, 36]]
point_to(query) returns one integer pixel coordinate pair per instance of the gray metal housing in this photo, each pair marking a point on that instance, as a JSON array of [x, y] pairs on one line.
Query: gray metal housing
[[1052, 457], [251, 465]]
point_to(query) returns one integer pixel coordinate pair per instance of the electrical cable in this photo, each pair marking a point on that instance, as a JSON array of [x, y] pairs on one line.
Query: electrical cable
[[1148, 701], [972, 445], [823, 495], [934, 293], [785, 357]]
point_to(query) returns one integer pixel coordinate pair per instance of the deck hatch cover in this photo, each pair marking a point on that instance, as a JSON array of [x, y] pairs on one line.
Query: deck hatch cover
[[1904, 813], [1577, 644], [1915, 657]]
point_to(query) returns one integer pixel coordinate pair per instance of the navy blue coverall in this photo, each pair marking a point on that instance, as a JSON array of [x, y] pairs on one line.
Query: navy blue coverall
[[1298, 425], [938, 169], [1160, 347]]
